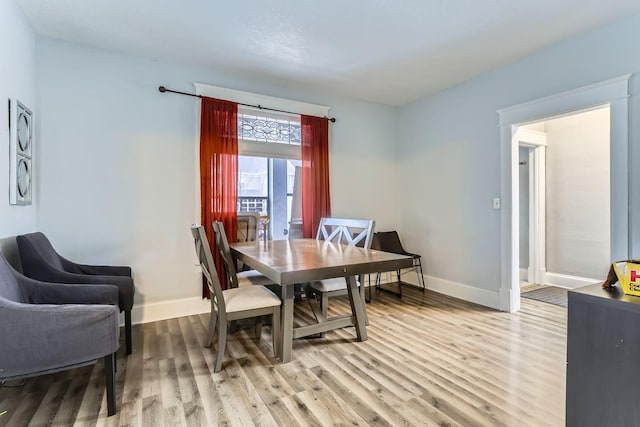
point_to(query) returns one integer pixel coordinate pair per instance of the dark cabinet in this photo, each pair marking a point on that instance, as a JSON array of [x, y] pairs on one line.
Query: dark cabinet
[[603, 358]]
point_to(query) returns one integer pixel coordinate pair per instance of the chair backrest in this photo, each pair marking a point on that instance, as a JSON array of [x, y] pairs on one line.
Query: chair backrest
[[9, 287], [10, 252], [352, 232], [208, 267], [225, 254], [387, 241], [35, 248], [248, 226]]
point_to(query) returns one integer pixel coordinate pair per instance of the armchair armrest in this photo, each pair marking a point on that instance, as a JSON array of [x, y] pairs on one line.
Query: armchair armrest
[[36, 292], [106, 270], [102, 270], [41, 338], [124, 284]]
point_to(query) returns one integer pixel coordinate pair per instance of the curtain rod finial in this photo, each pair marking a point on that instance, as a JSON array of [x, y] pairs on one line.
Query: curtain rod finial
[[332, 119], [162, 89]]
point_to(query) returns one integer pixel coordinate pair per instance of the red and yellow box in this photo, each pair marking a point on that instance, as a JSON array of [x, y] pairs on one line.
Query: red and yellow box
[[628, 274]]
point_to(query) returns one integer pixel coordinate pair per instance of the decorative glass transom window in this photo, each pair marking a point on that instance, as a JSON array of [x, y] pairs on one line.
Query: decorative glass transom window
[[267, 128]]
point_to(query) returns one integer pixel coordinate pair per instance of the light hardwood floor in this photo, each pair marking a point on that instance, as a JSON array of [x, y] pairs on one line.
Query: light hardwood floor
[[429, 360]]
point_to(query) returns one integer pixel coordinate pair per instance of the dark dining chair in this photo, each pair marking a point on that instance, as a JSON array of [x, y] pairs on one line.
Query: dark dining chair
[[40, 261], [389, 241]]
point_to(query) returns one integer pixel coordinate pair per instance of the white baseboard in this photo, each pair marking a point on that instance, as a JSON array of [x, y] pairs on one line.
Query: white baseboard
[[524, 274], [568, 281], [460, 290], [448, 287], [152, 312], [163, 310]]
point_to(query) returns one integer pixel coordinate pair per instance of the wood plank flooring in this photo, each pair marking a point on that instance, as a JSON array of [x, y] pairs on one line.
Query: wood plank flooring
[[429, 360]]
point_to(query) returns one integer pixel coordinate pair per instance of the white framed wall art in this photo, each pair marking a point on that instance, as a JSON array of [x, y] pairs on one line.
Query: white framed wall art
[[20, 153]]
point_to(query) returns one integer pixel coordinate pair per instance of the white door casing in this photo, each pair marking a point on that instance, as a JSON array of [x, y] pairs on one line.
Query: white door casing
[[613, 92], [537, 141]]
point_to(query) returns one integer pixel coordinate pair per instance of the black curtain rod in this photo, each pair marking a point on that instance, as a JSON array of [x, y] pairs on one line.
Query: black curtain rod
[[259, 107]]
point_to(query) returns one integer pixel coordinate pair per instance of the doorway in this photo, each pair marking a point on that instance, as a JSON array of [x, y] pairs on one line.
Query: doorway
[[564, 207], [613, 93]]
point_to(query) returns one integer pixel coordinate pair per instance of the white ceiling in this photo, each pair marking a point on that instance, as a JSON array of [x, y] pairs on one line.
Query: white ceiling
[[387, 51]]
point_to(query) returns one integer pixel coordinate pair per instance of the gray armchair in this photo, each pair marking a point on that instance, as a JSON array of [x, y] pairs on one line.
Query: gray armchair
[[40, 261], [44, 329]]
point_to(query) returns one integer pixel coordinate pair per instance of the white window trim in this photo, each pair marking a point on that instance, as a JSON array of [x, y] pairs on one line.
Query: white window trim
[[243, 97], [243, 109], [269, 149]]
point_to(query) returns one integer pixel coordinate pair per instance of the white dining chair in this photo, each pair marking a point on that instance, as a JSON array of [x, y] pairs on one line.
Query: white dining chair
[[234, 303], [352, 232]]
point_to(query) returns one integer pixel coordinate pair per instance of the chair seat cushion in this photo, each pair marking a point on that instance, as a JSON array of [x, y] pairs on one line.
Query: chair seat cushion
[[330, 285], [251, 278], [249, 298]]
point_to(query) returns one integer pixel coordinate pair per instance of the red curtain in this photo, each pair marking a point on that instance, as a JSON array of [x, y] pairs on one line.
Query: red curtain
[[218, 172], [315, 173]]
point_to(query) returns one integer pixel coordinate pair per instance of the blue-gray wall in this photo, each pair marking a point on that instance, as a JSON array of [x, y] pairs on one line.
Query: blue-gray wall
[[17, 82], [119, 160], [450, 154]]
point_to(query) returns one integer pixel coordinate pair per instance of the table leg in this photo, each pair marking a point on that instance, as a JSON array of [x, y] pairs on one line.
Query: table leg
[[357, 308], [364, 300], [286, 320]]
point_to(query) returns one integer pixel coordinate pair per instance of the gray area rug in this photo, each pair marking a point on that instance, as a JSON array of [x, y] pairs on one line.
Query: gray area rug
[[550, 294]]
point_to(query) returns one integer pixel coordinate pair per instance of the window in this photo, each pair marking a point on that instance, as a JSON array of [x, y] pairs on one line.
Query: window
[[269, 153], [253, 184], [276, 139]]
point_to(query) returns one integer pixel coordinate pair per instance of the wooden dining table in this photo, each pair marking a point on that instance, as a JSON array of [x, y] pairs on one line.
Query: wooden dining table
[[296, 261]]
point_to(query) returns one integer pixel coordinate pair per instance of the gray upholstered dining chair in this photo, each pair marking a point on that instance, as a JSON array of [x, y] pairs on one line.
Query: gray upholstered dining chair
[[248, 231], [40, 261], [233, 303], [248, 223], [352, 232], [50, 327], [234, 278]]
